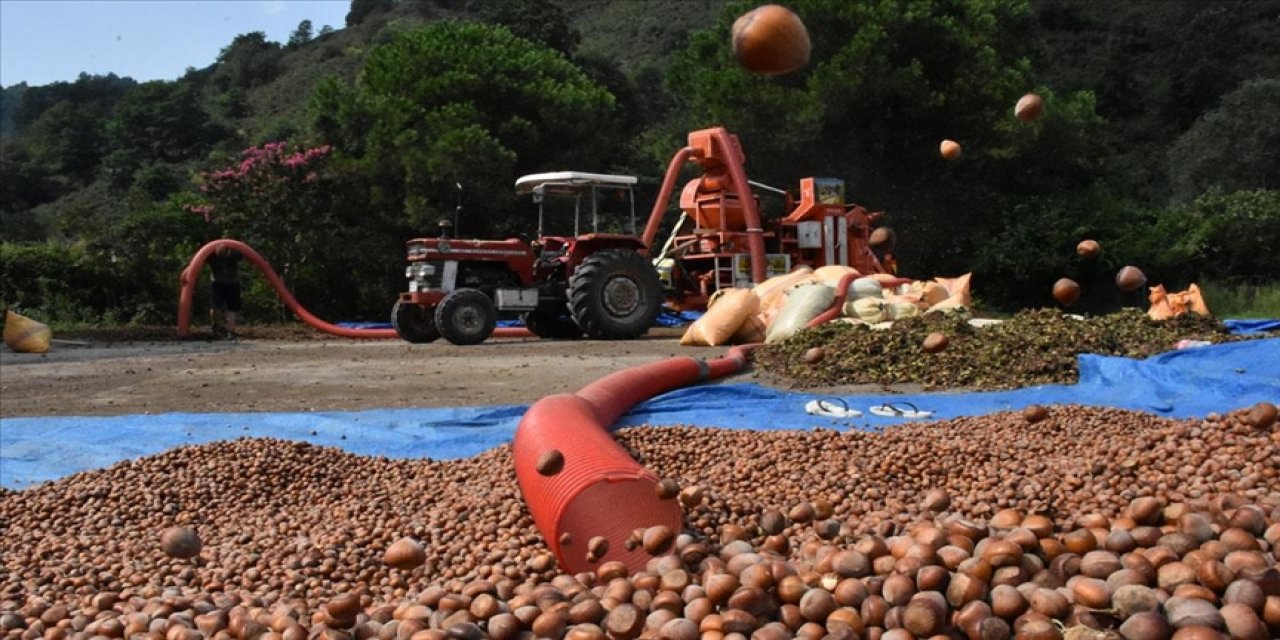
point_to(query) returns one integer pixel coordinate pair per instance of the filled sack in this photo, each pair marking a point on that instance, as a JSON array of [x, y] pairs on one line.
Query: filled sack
[[868, 310], [833, 272], [958, 288], [722, 319], [751, 331], [771, 290], [24, 335], [952, 305], [1165, 305], [803, 304]]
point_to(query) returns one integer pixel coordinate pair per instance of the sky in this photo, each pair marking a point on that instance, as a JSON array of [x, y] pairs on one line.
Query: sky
[[44, 41]]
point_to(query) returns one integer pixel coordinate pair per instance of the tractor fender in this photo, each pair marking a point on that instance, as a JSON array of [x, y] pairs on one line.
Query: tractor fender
[[592, 243]]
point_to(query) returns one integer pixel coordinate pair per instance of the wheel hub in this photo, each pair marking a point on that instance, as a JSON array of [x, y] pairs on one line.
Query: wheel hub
[[621, 296], [469, 319]]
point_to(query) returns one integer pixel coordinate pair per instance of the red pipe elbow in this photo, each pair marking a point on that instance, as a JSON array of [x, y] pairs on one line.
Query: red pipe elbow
[[601, 491]]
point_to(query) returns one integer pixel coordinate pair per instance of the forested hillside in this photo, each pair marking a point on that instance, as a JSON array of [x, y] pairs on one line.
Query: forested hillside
[[329, 150]]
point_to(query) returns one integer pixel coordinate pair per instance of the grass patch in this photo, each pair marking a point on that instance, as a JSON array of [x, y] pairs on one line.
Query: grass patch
[[1229, 300]]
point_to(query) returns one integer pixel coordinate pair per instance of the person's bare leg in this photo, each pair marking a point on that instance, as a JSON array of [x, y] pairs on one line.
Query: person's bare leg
[[231, 321]]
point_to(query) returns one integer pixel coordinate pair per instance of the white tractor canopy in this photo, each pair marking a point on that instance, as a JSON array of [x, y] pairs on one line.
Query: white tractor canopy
[[576, 185], [570, 182]]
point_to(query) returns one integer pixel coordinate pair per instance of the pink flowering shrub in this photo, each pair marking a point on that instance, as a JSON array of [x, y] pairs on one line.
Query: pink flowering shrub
[[272, 198], [266, 179]]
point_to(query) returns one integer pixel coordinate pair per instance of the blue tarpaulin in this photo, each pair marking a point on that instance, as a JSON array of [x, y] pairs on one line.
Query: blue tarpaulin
[[1184, 383], [667, 318], [1249, 327]]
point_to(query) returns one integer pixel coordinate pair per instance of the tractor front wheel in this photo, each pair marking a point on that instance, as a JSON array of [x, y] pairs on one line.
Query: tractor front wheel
[[414, 322], [466, 316], [615, 294]]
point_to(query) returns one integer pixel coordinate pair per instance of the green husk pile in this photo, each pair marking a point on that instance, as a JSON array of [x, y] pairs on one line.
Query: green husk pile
[[1033, 347]]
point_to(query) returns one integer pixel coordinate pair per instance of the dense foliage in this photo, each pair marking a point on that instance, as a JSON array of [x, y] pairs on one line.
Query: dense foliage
[[1157, 140], [494, 106]]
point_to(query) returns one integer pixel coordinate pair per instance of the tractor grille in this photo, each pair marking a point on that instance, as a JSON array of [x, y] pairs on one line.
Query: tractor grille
[[424, 276]]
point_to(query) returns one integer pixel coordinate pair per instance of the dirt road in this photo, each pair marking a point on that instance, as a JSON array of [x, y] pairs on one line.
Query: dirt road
[[300, 375]]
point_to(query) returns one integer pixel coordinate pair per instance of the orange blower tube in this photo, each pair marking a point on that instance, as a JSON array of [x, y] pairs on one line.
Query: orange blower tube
[[697, 153], [664, 194], [191, 275], [601, 491]]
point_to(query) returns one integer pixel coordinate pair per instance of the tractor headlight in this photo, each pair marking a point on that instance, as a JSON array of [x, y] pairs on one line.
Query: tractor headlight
[[419, 271], [417, 250]]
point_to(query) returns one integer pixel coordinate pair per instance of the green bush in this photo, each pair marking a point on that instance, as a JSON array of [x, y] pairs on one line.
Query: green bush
[[1242, 300], [127, 274], [1225, 237], [54, 282]]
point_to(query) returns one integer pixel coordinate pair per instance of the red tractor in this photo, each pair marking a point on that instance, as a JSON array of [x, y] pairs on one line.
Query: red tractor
[[612, 285], [600, 284]]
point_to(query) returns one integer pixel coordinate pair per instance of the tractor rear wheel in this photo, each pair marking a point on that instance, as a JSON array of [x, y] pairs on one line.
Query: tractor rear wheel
[[547, 323], [414, 322], [466, 316], [615, 294]]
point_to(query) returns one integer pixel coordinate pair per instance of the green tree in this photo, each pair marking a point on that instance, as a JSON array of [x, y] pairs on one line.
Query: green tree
[[22, 187], [362, 10], [68, 140], [300, 36], [95, 94], [1221, 235], [1234, 147], [156, 122], [541, 21], [887, 81], [494, 105], [250, 60], [1156, 67]]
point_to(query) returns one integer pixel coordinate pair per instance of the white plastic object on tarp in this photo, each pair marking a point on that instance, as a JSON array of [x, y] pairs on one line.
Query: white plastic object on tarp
[[906, 410], [831, 408]]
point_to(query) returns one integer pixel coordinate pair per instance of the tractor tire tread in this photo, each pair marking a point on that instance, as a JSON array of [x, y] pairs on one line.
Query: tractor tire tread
[[586, 284], [451, 302], [414, 322]]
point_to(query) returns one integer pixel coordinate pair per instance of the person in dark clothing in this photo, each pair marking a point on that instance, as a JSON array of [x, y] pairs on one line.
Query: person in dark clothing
[[225, 290]]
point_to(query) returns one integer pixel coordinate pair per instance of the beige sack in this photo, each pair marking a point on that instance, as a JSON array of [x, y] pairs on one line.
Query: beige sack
[[751, 331], [803, 304], [931, 292], [772, 289], [24, 335], [957, 287], [885, 278], [868, 310], [833, 272], [899, 309], [722, 319], [954, 304]]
